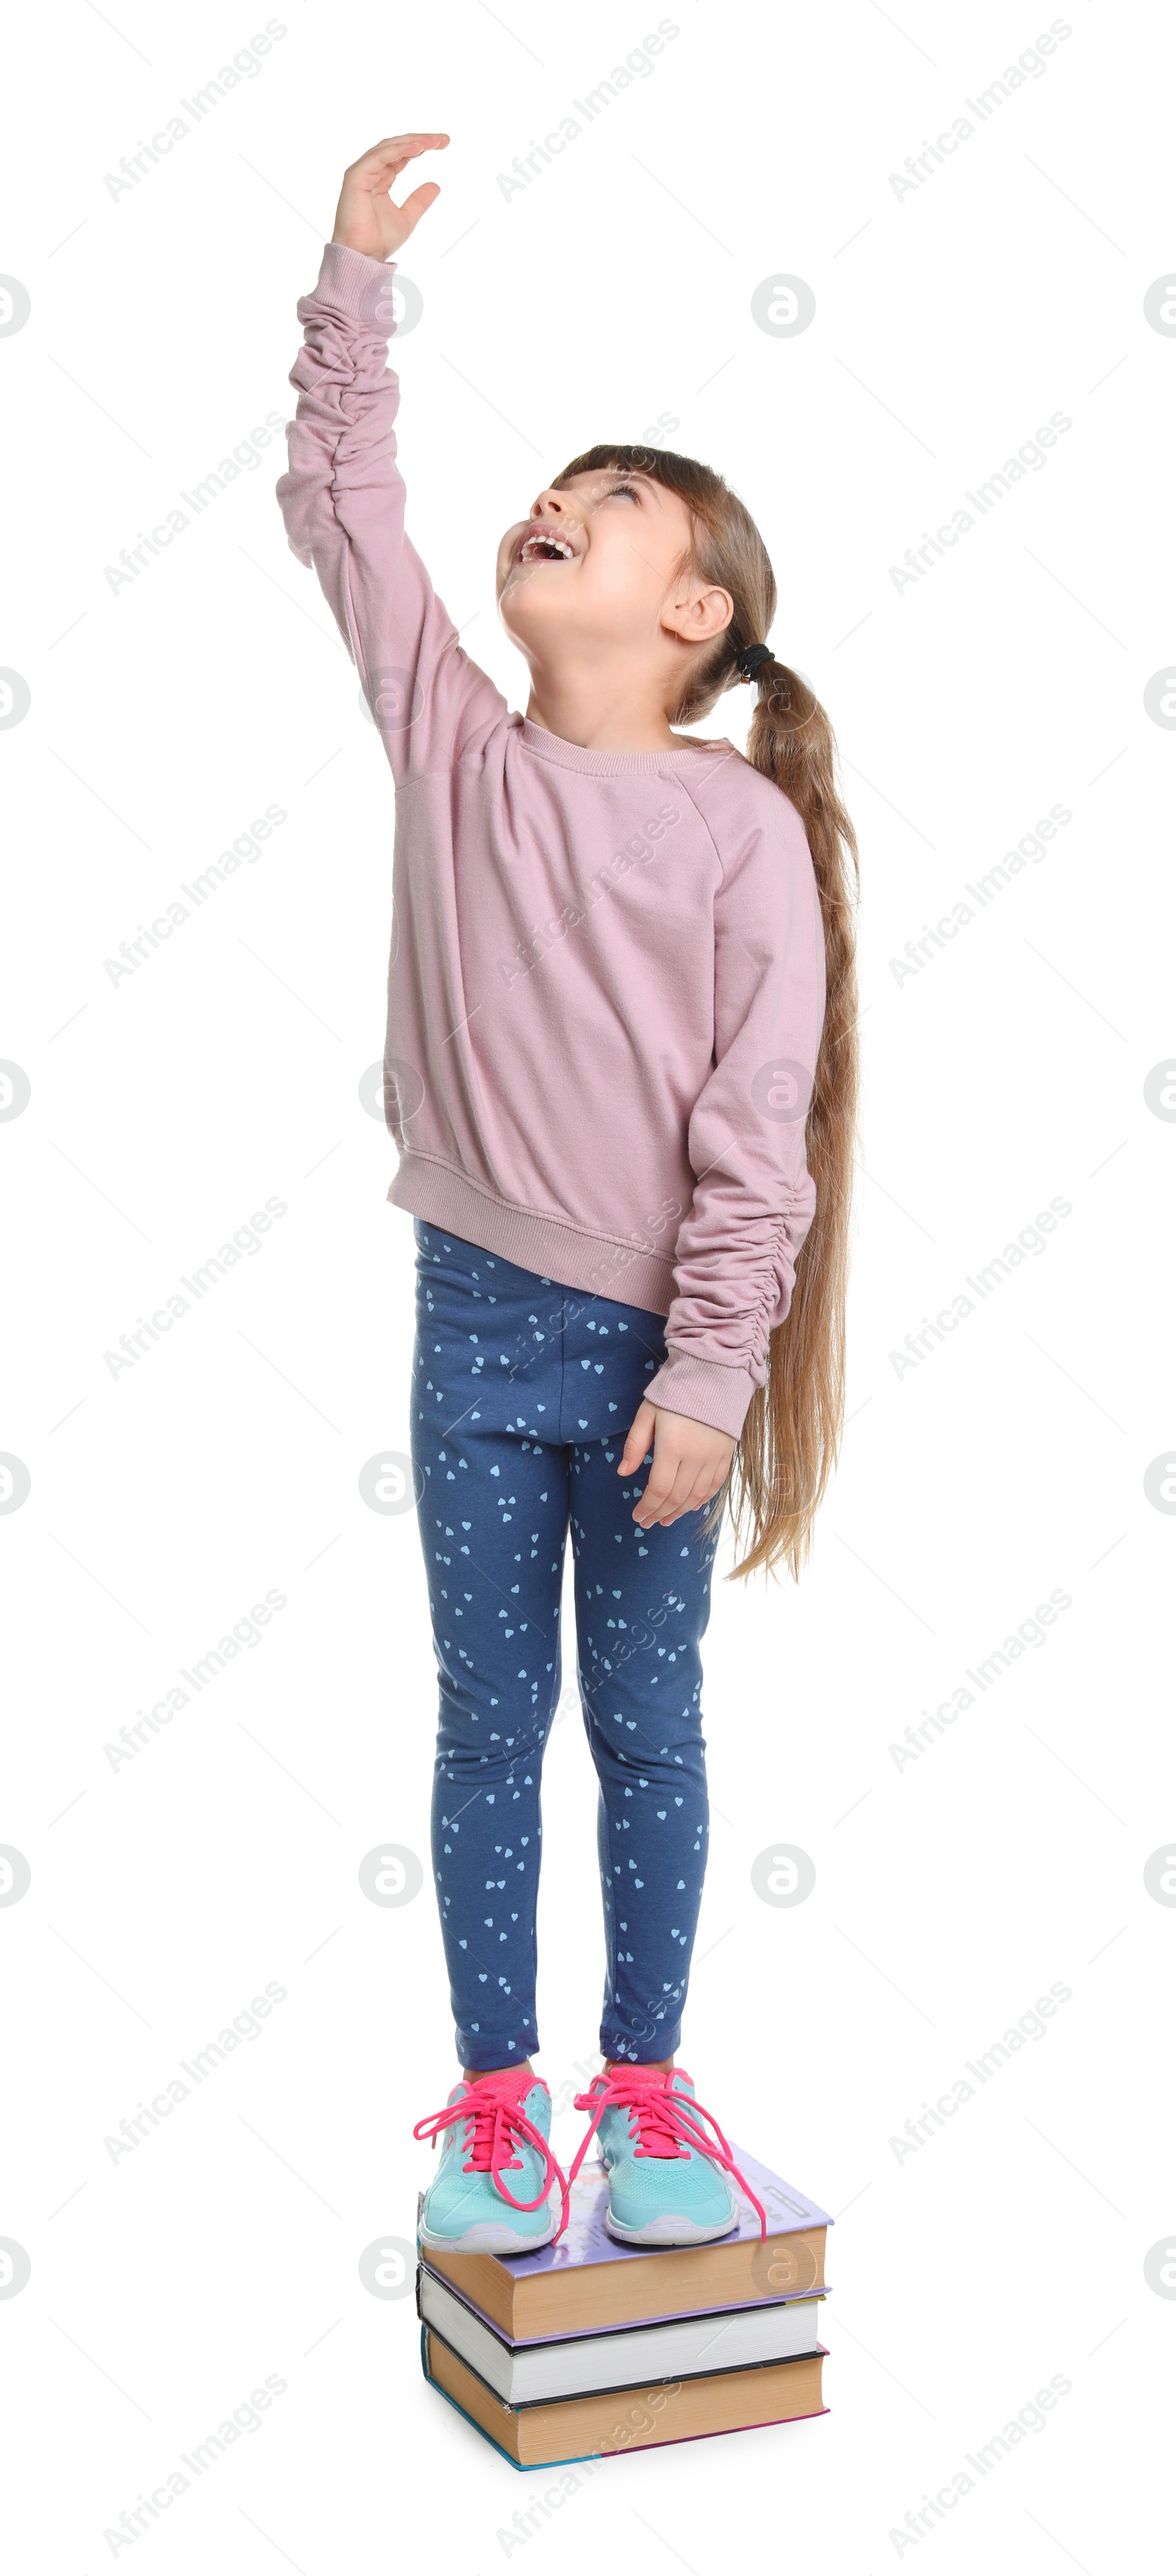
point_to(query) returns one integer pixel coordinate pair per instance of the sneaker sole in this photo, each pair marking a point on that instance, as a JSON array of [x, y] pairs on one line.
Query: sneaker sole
[[669, 2231], [488, 2237]]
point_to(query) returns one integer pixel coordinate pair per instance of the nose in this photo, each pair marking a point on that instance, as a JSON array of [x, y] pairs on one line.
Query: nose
[[550, 505]]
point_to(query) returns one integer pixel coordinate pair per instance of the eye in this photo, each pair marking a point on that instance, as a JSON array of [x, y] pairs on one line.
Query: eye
[[621, 491]]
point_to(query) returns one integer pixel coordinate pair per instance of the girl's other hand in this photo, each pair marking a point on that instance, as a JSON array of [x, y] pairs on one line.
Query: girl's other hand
[[690, 1463], [365, 218]]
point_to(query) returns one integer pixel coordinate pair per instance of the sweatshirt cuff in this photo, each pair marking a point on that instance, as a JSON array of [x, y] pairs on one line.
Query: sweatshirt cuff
[[704, 1391], [357, 285]]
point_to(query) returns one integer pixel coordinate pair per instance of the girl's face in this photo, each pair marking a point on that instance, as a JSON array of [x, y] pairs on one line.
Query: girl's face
[[596, 566]]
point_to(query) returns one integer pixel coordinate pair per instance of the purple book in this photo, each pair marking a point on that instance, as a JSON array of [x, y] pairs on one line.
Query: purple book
[[586, 2241]]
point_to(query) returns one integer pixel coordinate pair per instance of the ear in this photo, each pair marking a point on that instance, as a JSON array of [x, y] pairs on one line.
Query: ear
[[698, 613]]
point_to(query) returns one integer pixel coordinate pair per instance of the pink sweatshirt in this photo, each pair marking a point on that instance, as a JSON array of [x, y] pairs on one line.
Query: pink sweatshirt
[[607, 981]]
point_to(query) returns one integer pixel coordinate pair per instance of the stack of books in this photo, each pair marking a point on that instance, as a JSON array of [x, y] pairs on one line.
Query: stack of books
[[590, 2347]]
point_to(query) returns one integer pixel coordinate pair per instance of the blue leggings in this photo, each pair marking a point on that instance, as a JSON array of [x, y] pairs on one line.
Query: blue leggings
[[523, 1393]]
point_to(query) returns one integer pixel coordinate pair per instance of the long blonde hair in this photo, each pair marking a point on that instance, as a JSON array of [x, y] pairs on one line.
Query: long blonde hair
[[792, 1432]]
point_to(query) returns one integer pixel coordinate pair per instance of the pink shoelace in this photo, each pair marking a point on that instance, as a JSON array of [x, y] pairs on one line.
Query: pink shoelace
[[667, 2123], [500, 2125]]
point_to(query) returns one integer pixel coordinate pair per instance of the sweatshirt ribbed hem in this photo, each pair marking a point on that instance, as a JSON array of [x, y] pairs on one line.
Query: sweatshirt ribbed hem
[[704, 1390], [595, 1263], [357, 285]]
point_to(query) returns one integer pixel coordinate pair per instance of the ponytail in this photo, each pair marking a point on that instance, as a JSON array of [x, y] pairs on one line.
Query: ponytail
[[792, 1431]]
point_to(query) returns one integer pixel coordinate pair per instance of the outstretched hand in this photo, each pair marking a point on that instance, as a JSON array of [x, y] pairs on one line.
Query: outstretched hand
[[690, 1463], [365, 218]]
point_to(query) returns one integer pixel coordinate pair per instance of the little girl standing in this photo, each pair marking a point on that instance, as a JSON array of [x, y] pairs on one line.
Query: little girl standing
[[621, 1075]]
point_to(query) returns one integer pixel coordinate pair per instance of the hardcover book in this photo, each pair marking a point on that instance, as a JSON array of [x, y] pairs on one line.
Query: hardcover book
[[588, 2282], [580, 2428]]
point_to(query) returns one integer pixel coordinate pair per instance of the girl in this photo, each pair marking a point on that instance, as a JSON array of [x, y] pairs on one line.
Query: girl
[[621, 1075]]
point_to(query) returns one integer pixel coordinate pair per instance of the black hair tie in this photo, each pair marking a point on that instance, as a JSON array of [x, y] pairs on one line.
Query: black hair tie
[[751, 658]]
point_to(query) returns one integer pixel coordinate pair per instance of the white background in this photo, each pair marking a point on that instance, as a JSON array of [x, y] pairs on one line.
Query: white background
[[951, 1892]]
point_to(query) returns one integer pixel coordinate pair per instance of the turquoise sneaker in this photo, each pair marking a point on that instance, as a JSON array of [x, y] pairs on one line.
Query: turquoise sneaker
[[667, 2179], [494, 2128]]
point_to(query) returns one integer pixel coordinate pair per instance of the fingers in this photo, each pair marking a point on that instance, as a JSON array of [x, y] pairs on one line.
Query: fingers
[[393, 152], [366, 219], [690, 1465], [658, 1505], [674, 1488], [679, 1504], [418, 204], [638, 1438]]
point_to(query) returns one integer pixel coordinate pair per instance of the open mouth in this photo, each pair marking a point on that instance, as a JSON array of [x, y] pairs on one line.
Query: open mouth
[[543, 545]]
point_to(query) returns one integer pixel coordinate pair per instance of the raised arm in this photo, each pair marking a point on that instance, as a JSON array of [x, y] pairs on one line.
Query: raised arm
[[342, 496]]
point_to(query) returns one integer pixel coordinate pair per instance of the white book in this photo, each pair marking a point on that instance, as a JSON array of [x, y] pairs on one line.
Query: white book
[[626, 2357]]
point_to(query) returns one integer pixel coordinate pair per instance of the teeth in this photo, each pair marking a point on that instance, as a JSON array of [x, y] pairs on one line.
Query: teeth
[[544, 537]]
